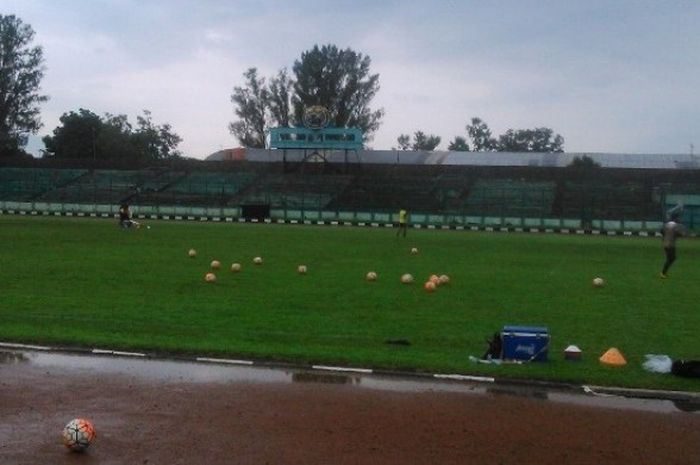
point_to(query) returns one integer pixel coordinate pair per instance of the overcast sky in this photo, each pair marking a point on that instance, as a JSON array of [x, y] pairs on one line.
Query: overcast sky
[[609, 76]]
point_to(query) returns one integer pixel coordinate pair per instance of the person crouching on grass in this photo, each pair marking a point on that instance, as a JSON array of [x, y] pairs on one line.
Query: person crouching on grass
[[125, 220], [670, 231]]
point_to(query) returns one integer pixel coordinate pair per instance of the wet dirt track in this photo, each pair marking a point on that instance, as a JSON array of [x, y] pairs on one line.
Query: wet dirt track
[[148, 412]]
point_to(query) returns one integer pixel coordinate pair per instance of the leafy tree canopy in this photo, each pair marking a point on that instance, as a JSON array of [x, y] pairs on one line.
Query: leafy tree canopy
[[422, 141], [338, 80], [530, 140], [480, 135], [404, 141], [520, 140], [84, 134], [21, 71], [584, 162], [459, 144]]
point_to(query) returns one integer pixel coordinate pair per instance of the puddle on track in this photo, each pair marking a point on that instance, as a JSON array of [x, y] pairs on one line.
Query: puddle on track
[[183, 371]]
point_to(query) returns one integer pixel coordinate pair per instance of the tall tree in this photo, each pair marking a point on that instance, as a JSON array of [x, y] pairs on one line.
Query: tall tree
[[458, 145], [530, 140], [480, 134], [21, 71], [279, 98], [422, 141], [340, 81], [251, 107]]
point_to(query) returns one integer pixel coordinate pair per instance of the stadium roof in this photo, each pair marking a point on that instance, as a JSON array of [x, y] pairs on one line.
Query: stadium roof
[[411, 157]]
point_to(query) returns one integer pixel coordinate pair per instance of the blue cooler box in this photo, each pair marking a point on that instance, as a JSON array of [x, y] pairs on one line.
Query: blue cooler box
[[525, 343]]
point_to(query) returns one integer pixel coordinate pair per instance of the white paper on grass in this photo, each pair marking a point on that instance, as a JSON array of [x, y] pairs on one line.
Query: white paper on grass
[[657, 363]]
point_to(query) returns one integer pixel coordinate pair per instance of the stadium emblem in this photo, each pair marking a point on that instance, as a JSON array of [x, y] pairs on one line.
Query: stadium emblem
[[316, 117]]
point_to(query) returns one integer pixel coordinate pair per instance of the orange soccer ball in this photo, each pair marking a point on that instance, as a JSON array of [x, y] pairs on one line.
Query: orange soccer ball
[[429, 286]]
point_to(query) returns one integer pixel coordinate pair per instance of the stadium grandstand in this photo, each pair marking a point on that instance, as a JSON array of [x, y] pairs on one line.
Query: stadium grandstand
[[440, 189]]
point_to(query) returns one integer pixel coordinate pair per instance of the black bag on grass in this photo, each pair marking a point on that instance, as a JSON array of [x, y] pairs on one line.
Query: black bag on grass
[[686, 368]]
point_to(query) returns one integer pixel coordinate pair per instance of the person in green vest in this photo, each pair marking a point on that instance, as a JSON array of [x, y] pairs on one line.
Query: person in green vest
[[403, 223]]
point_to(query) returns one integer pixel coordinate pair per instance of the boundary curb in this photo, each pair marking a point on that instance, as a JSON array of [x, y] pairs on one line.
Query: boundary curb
[[584, 389], [366, 224]]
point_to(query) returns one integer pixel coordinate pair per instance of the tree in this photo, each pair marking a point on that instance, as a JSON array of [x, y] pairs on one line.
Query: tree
[[85, 135], [422, 141], [279, 98], [404, 141], [458, 145], [530, 140], [77, 137], [251, 107], [480, 134], [153, 141], [340, 81], [585, 162], [21, 71]]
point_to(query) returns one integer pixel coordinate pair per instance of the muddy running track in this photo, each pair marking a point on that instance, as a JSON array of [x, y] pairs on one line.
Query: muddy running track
[[149, 412]]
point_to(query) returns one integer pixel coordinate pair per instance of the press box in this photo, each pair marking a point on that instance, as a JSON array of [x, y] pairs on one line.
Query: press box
[[528, 343]]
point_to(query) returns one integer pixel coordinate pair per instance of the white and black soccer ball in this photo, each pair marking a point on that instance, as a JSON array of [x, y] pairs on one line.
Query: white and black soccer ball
[[78, 434]]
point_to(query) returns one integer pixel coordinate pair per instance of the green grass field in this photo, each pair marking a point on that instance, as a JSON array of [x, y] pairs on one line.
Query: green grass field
[[86, 282]]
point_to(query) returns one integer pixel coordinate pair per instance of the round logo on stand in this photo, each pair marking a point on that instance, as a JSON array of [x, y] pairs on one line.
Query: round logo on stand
[[316, 117]]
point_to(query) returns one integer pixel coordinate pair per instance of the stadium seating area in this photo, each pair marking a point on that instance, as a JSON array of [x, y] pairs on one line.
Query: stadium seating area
[[389, 190], [30, 183], [508, 197], [102, 186], [366, 192], [312, 191], [200, 188], [604, 200]]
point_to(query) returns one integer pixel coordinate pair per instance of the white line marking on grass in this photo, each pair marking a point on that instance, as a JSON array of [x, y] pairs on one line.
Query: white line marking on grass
[[354, 370], [11, 345], [117, 352], [481, 379], [224, 360]]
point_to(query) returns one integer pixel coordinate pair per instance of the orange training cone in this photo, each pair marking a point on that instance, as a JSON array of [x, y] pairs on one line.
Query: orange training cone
[[613, 357]]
